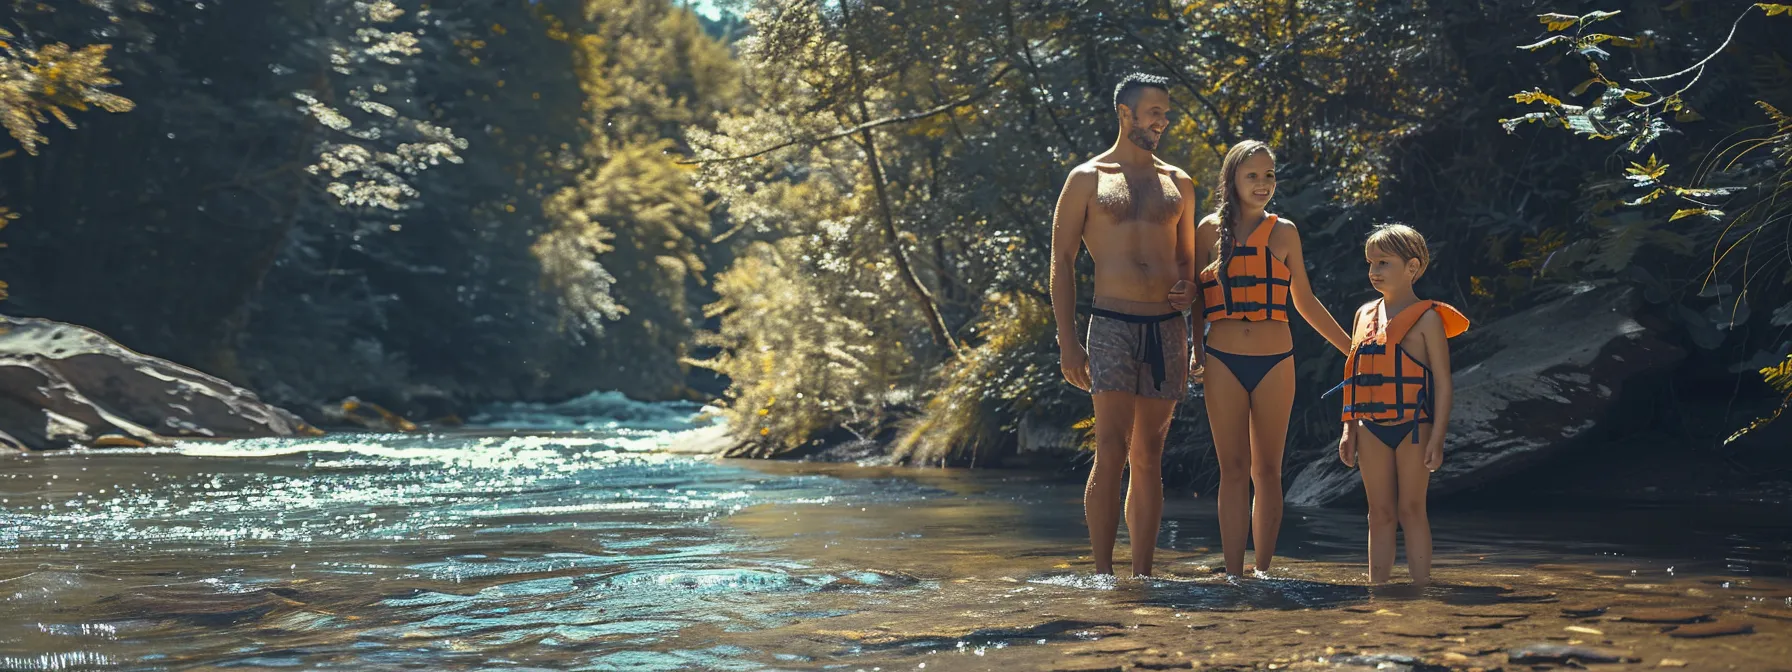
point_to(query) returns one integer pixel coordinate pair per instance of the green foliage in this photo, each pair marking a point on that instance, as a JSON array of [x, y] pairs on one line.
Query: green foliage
[[639, 191], [627, 234], [805, 353], [1731, 203], [373, 145], [947, 129], [1011, 373], [37, 84]]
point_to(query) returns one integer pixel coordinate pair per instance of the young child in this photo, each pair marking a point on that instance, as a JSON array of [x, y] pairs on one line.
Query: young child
[[1397, 393]]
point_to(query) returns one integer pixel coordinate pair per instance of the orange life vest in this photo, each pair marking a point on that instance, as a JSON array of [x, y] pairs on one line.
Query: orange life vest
[[1383, 383], [1252, 286]]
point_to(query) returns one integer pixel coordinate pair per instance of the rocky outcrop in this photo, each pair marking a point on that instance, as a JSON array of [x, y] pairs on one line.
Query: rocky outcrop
[[63, 385], [1526, 387]]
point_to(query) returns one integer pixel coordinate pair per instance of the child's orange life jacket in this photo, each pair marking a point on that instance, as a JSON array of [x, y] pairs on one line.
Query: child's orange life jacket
[[1252, 286], [1382, 382]]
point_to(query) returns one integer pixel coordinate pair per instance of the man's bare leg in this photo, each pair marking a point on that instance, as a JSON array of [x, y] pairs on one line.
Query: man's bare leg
[[1101, 497], [1145, 489]]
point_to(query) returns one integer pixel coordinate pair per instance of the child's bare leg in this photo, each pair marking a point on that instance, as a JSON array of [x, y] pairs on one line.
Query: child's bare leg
[[1415, 524], [1271, 403], [1145, 487], [1101, 497], [1376, 462], [1229, 417]]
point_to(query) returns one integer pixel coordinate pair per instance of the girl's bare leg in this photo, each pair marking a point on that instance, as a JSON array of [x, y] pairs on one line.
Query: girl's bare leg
[[1271, 404], [1229, 417]]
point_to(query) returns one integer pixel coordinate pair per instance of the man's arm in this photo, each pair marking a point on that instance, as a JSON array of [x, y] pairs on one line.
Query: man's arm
[[1185, 246], [1301, 292], [1067, 241]]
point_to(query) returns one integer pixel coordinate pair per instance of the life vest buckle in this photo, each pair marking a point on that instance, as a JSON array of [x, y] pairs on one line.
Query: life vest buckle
[[1369, 379]]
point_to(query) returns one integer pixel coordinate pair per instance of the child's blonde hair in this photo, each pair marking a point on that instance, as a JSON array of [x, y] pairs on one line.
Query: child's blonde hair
[[1401, 241]]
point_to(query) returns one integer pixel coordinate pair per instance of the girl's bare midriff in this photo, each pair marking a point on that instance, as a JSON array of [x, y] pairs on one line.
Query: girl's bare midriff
[[1240, 337]]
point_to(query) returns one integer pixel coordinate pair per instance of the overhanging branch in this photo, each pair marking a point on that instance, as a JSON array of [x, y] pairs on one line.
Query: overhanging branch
[[886, 121]]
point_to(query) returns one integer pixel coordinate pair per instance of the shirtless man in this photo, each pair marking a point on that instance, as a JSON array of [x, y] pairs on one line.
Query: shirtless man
[[1136, 214]]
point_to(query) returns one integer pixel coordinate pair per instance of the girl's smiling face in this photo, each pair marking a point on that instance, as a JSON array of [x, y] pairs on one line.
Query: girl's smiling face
[[1255, 181]]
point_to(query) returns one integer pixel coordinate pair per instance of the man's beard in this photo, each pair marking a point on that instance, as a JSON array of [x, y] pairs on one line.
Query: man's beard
[[1141, 139]]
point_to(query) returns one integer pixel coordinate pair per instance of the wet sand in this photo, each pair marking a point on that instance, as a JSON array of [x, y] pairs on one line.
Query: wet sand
[[1011, 604]]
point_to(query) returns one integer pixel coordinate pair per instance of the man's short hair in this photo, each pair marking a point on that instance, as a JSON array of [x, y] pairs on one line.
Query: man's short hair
[[1128, 90]]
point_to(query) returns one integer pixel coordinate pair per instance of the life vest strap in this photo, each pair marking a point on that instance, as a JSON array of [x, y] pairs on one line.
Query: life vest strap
[[1239, 281], [1376, 407], [1249, 306], [1378, 379]]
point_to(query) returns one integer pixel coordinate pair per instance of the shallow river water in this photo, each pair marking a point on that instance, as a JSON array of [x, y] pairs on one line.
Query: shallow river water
[[589, 548]]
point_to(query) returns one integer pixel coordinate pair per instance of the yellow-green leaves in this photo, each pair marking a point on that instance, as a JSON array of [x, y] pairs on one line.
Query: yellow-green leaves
[[42, 81], [1556, 22], [1545, 118], [1646, 174], [1558, 39], [1647, 199], [1536, 96], [1696, 212]]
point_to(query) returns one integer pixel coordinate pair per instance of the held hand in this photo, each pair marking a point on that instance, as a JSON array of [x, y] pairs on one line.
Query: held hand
[[1347, 447], [1434, 455], [1197, 367], [1075, 363], [1182, 295]]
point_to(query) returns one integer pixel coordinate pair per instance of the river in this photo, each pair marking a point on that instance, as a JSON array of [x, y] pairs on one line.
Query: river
[[564, 537]]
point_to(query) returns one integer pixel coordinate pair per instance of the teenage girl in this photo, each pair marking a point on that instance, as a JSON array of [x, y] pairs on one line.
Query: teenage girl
[[1253, 277]]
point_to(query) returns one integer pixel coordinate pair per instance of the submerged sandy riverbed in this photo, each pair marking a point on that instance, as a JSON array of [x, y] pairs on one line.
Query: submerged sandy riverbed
[[591, 551]]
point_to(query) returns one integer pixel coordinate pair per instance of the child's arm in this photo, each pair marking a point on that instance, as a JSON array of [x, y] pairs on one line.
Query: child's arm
[[1206, 236], [1443, 391], [1347, 442], [1288, 238]]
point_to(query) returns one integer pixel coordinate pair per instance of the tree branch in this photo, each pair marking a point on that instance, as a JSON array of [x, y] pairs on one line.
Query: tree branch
[[886, 121], [1720, 49]]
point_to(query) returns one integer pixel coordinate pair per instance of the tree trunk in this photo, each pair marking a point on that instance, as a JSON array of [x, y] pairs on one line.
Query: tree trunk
[[936, 322]]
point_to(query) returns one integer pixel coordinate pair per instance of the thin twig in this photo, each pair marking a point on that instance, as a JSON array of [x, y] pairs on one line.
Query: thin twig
[[1720, 49], [886, 121]]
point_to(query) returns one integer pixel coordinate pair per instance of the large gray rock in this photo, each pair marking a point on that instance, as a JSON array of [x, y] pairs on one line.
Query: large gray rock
[[1526, 386], [63, 384]]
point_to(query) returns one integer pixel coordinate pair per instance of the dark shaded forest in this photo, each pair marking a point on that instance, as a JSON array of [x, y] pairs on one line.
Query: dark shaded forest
[[832, 219]]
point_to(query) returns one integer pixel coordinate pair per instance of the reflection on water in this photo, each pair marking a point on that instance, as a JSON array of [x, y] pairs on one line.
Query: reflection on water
[[585, 549]]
